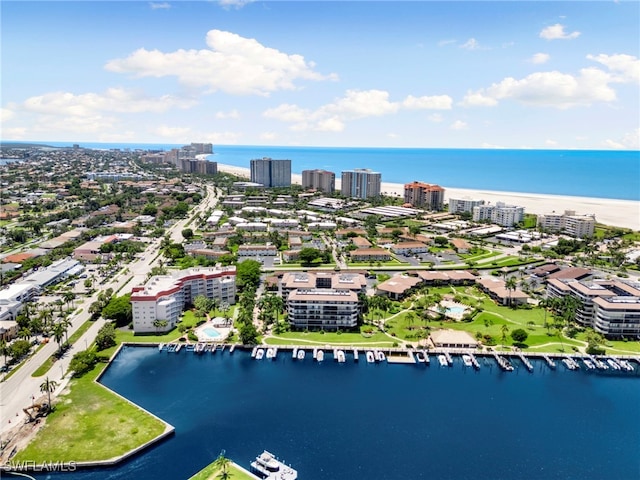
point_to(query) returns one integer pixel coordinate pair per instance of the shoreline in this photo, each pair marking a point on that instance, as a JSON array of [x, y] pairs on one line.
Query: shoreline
[[608, 211]]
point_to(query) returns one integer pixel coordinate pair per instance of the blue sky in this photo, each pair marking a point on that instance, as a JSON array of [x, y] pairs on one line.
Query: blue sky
[[383, 74]]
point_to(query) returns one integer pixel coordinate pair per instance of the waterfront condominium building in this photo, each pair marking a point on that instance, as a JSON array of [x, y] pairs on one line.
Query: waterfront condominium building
[[424, 195], [360, 183], [323, 308], [577, 226], [271, 173], [462, 205], [610, 307], [164, 297], [500, 214], [321, 180]]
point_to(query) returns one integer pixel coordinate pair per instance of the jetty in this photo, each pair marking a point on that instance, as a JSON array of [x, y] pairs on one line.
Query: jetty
[[550, 362], [503, 363], [355, 355], [268, 467], [447, 355], [474, 361], [526, 361]]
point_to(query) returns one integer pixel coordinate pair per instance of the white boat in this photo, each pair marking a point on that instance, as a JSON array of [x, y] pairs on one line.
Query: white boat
[[613, 364], [371, 358], [315, 353], [233, 347], [380, 356], [271, 353], [160, 347], [178, 347], [588, 363], [466, 359], [260, 354], [301, 354], [443, 360], [341, 356], [254, 352], [625, 364], [171, 347], [355, 354], [420, 356], [320, 355], [294, 354], [569, 363]]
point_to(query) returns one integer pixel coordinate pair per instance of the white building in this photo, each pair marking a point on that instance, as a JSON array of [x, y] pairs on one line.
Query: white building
[[466, 204], [164, 297], [257, 250], [500, 214], [577, 226], [322, 308]]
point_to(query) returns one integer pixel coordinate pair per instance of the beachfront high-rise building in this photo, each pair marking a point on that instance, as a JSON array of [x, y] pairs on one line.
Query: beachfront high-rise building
[[321, 180], [462, 205], [360, 183], [500, 214], [271, 173], [424, 195], [577, 226]]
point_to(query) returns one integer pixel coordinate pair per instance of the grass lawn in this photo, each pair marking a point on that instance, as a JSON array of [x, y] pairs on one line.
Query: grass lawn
[[330, 338], [211, 472], [91, 423]]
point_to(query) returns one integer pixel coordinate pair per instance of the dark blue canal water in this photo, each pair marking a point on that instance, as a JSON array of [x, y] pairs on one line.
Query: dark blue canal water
[[384, 421]]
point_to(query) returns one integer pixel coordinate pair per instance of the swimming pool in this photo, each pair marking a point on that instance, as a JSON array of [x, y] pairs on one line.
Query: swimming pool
[[456, 310], [210, 332]]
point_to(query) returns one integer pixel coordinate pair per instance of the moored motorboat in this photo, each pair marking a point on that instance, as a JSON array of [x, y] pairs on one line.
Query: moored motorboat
[[300, 355], [466, 359], [341, 356], [442, 360], [371, 358], [420, 356], [380, 356], [320, 355], [260, 354]]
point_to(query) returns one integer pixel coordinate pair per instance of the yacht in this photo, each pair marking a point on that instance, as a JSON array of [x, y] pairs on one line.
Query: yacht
[[380, 356], [420, 356], [371, 358], [160, 347], [467, 360], [341, 356], [443, 360], [260, 354], [320, 355], [178, 347], [254, 352], [300, 355]]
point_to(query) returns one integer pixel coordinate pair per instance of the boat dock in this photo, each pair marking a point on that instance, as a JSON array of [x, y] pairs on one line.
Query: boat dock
[[269, 467], [620, 364]]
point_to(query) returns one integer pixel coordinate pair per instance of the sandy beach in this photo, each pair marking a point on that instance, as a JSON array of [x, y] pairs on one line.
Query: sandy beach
[[617, 213]]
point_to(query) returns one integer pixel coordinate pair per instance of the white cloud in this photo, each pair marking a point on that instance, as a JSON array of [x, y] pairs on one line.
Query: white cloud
[[540, 58], [355, 104], [112, 100], [232, 64], [435, 118], [438, 102], [6, 115], [630, 141], [232, 114], [471, 44], [268, 136], [442, 43], [556, 32], [551, 143], [626, 68], [171, 132], [187, 134], [554, 89], [458, 125], [16, 133], [160, 6], [491, 145], [74, 124], [234, 3]]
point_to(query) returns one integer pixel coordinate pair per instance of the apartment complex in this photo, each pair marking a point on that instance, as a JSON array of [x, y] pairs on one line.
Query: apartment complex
[[323, 308], [271, 173], [164, 297], [321, 180], [424, 195], [500, 214], [577, 226], [203, 167], [462, 205], [610, 307], [360, 183]]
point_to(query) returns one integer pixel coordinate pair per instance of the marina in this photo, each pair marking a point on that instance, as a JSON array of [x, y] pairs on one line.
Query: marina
[[269, 467], [445, 357]]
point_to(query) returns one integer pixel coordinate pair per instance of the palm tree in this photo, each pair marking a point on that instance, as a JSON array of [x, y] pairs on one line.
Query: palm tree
[[68, 297], [223, 462], [48, 386], [58, 332], [510, 284], [24, 333], [4, 349], [504, 329]]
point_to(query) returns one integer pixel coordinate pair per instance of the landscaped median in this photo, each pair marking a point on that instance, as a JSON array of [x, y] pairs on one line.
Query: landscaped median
[[92, 425]]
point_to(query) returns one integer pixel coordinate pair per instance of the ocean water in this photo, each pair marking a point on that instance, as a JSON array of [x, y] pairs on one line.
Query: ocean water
[[585, 173], [359, 421]]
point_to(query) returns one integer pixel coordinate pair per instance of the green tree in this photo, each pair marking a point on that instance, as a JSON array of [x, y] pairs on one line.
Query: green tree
[[510, 284], [248, 333], [519, 335], [187, 234], [504, 330], [248, 274], [48, 387], [19, 348], [106, 337], [119, 309], [309, 255], [83, 362]]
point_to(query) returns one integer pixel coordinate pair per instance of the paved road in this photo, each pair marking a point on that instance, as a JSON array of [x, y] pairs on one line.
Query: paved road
[[18, 391]]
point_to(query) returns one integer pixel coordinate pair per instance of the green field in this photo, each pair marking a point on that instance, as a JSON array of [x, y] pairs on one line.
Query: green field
[[212, 472], [91, 423]]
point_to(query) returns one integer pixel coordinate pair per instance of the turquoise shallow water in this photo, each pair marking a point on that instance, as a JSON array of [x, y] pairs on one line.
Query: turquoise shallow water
[[360, 421]]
